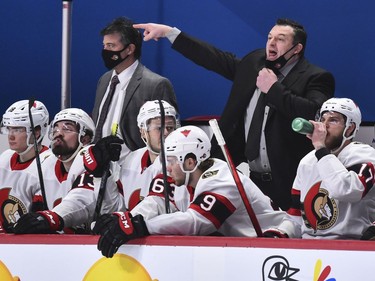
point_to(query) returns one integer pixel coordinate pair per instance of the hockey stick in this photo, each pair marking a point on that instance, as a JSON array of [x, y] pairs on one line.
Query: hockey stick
[[37, 158], [162, 158], [103, 182], [220, 140], [106, 174]]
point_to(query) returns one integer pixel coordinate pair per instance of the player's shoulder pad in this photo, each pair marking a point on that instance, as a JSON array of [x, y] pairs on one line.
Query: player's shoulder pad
[[209, 174]]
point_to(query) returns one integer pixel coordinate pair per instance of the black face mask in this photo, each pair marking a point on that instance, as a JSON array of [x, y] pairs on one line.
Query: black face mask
[[278, 63], [113, 58]]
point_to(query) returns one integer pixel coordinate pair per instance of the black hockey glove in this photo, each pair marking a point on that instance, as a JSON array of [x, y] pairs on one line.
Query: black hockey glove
[[98, 156], [117, 229], [39, 222], [369, 233], [274, 233]]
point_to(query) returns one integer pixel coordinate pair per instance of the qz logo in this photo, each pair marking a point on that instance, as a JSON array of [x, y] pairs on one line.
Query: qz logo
[[278, 268]]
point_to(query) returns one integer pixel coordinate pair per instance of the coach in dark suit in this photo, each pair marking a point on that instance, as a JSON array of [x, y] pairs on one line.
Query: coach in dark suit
[[134, 86], [271, 87]]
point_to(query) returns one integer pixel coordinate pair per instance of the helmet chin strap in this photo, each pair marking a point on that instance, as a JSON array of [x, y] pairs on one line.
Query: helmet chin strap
[[80, 145], [73, 155], [187, 173], [344, 139], [187, 177], [145, 140], [29, 145]]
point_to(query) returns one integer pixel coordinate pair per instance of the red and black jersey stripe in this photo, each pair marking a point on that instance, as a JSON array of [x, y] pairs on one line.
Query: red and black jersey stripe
[[214, 207]]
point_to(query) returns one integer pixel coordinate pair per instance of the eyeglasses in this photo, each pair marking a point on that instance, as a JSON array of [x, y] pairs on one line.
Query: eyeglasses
[[66, 129], [14, 131]]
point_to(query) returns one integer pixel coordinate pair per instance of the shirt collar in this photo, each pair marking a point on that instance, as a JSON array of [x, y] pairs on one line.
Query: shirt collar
[[287, 68], [127, 73]]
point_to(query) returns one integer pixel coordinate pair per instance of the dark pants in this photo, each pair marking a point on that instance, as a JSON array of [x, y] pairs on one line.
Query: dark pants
[[265, 183]]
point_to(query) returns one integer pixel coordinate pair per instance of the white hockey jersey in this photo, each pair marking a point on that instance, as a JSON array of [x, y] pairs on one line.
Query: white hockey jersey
[[216, 205], [19, 186], [334, 197], [69, 194], [129, 183]]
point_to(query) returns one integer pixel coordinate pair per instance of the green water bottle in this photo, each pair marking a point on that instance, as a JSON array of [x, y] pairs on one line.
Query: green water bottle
[[302, 126]]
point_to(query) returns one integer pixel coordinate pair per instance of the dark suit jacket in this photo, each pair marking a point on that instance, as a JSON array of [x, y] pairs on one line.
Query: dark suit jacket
[[144, 85], [300, 94]]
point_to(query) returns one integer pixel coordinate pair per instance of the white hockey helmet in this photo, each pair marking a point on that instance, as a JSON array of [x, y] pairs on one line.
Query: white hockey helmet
[[347, 108], [86, 124], [151, 109], [17, 115], [186, 140]]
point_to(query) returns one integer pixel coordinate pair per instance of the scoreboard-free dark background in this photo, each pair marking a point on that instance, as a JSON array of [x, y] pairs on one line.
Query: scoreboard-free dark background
[[340, 39]]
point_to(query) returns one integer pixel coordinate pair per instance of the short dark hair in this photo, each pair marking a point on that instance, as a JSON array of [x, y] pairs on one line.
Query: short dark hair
[[87, 131], [204, 165], [300, 35], [129, 34]]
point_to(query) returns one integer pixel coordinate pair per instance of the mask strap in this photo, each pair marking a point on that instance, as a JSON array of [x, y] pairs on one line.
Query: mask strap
[[286, 60]]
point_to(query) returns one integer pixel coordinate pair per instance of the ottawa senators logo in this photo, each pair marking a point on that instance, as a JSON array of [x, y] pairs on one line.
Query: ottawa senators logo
[[209, 174], [11, 210], [319, 210]]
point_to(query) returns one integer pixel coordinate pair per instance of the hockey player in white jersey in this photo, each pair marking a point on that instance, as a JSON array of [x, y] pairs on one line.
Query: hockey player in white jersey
[[333, 194], [132, 179], [65, 178], [215, 205], [19, 183]]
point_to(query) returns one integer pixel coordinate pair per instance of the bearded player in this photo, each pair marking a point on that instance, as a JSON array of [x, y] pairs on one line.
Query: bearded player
[[333, 191], [69, 188], [215, 204]]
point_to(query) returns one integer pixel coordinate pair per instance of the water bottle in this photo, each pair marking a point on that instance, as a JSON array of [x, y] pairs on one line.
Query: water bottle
[[302, 126]]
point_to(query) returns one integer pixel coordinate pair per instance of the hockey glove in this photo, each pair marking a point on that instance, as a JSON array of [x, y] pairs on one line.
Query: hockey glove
[[117, 229], [39, 222], [37, 204], [98, 156], [274, 233], [369, 233]]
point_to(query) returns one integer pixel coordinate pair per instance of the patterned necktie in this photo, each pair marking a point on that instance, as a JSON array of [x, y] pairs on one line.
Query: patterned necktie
[[104, 111]]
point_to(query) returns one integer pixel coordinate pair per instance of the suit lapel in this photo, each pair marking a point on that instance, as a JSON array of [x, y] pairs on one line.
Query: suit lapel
[[242, 91], [100, 92], [295, 73], [133, 85], [291, 79]]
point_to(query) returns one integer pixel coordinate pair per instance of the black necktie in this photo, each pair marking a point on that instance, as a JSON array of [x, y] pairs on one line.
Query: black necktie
[[255, 131], [104, 111]]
